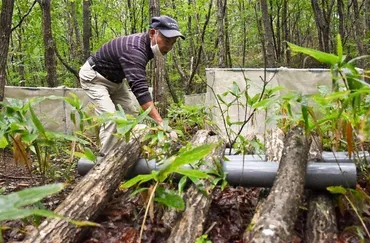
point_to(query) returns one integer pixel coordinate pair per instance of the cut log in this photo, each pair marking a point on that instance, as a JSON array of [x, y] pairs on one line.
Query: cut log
[[279, 212], [274, 143], [190, 225], [90, 195], [321, 220], [321, 226]]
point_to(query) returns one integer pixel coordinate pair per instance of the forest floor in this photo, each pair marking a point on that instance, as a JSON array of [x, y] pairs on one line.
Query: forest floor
[[231, 211]]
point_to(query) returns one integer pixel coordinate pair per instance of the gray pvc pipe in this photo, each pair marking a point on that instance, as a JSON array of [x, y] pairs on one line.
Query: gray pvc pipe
[[341, 157], [319, 175], [255, 172]]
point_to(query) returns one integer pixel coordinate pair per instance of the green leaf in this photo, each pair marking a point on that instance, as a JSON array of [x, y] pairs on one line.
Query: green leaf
[[337, 190], [29, 138], [188, 157], [90, 154], [169, 198], [182, 184], [193, 173], [339, 47], [37, 122], [3, 142], [27, 196], [15, 213], [138, 180], [318, 55]]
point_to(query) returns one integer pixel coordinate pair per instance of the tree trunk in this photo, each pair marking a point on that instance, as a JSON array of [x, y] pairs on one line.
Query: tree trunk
[[367, 33], [322, 19], [340, 7], [359, 34], [159, 82], [220, 33], [75, 45], [191, 224], [50, 58], [285, 32], [132, 15], [187, 85], [86, 28], [90, 195], [279, 211], [268, 35], [5, 32]]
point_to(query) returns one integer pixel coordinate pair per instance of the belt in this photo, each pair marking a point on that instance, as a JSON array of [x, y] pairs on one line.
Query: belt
[[110, 76]]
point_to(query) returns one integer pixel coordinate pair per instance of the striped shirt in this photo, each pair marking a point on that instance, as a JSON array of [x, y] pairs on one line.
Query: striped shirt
[[126, 57]]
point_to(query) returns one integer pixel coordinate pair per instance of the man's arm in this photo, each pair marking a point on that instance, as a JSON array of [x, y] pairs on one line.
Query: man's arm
[[154, 114]]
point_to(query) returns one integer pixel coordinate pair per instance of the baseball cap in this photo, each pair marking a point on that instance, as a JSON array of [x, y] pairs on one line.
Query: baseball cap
[[167, 26]]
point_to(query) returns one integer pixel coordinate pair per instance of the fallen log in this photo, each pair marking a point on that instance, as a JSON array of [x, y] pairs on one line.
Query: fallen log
[[191, 224], [321, 224], [90, 195], [279, 212]]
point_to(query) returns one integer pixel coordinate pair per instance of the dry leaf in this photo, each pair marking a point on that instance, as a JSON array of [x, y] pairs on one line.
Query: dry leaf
[[20, 153]]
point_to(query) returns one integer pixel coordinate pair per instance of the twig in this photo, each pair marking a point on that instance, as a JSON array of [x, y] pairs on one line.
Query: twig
[[15, 177]]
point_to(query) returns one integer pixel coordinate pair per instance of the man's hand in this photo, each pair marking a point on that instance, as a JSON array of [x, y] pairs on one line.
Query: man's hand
[[168, 130]]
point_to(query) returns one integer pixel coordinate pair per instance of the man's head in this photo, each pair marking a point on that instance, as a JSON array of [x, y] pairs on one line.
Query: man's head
[[164, 31]]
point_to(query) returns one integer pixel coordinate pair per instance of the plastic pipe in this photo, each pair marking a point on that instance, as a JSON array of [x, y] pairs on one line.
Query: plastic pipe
[[341, 157], [255, 172], [319, 175]]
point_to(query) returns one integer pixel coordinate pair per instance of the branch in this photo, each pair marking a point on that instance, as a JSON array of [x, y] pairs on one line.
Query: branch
[[69, 68], [200, 48], [23, 18]]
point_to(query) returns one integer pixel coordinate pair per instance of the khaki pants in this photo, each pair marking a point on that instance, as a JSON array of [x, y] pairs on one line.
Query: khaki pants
[[105, 96]]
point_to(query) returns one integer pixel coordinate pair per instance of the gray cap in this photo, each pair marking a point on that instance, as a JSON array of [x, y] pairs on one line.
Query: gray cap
[[167, 26]]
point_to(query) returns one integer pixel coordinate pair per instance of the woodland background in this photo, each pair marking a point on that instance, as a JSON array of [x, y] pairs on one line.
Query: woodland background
[[44, 42]]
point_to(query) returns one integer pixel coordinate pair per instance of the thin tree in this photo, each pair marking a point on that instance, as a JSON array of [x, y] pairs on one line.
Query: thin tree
[[221, 7], [50, 57], [322, 18], [159, 80], [285, 32], [268, 36], [86, 28], [359, 32], [5, 31], [367, 28]]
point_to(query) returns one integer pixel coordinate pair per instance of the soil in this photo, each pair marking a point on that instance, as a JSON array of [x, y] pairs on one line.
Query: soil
[[231, 211]]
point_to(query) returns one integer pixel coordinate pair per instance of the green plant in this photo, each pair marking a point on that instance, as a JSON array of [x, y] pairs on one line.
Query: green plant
[[246, 104], [16, 205], [23, 130], [203, 239], [344, 107], [169, 166], [188, 119], [356, 198]]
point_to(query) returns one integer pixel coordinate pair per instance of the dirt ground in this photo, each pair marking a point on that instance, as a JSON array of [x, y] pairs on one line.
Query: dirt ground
[[231, 211]]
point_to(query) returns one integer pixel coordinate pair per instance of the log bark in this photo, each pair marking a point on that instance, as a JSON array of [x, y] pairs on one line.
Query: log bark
[[280, 210], [191, 224], [90, 195], [321, 223]]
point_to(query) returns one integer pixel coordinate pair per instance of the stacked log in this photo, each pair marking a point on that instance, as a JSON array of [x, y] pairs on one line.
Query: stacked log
[[279, 211], [90, 195], [321, 223], [191, 223]]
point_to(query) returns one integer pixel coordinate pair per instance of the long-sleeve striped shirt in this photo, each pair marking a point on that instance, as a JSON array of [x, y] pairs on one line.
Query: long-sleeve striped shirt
[[126, 57]]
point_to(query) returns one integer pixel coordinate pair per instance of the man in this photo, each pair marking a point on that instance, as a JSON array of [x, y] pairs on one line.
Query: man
[[126, 57]]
